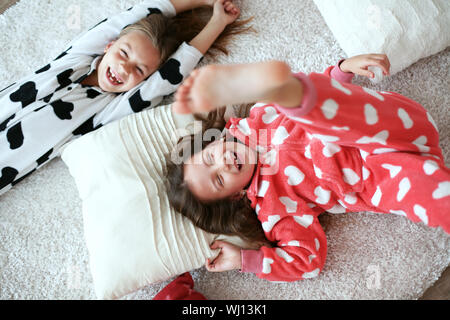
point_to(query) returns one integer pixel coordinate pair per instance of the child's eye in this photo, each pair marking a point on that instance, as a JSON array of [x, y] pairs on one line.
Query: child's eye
[[124, 53], [220, 181], [140, 70]]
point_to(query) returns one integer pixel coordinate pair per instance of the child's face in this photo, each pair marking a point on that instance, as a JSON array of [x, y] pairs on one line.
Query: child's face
[[220, 171], [127, 62]]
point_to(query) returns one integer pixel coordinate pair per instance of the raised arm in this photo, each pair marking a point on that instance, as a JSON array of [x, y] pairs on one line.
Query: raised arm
[[95, 40]]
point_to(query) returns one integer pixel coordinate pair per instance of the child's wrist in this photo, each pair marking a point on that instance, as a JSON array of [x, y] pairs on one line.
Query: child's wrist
[[217, 23]]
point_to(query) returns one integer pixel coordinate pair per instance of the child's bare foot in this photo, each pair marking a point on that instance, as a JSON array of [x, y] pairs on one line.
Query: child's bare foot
[[215, 86]]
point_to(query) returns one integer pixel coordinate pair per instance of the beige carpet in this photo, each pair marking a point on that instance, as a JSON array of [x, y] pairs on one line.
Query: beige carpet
[[371, 256]]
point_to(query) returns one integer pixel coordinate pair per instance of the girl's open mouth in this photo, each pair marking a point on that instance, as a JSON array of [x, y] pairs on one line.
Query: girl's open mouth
[[113, 78]]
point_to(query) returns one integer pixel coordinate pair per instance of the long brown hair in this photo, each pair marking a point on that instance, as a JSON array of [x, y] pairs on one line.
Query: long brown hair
[[232, 216], [167, 34]]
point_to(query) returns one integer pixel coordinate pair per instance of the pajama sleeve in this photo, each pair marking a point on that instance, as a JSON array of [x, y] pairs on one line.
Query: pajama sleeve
[[310, 91], [151, 92], [300, 254], [94, 41]]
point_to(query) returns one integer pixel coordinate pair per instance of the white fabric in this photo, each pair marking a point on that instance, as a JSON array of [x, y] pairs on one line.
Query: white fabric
[[405, 30], [133, 236], [61, 108]]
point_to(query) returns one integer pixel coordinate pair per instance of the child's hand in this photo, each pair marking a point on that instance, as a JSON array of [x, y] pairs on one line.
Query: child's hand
[[225, 12], [360, 64], [228, 259]]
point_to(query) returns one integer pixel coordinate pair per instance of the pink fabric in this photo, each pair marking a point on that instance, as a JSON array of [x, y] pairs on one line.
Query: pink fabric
[[339, 75], [251, 261], [310, 93], [356, 150]]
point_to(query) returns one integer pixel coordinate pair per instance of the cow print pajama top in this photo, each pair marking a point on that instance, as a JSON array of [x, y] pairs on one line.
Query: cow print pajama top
[[50, 107]]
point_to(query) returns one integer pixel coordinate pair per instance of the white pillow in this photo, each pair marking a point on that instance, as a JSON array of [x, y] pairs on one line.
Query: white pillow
[[405, 30], [133, 236]]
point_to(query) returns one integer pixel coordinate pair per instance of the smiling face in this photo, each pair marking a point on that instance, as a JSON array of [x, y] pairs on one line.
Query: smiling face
[[220, 171], [127, 62]]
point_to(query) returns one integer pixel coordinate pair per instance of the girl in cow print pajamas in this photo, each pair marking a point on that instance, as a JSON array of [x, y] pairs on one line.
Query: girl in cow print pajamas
[[316, 143], [105, 74]]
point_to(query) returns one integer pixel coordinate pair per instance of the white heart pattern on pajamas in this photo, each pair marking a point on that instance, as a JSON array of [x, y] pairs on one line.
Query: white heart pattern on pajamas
[[393, 170], [337, 209], [366, 173], [302, 120], [312, 274], [340, 128], [291, 205], [350, 198], [421, 212], [270, 116], [323, 195], [267, 265], [371, 114], [421, 142], [336, 84], [271, 221], [318, 172], [430, 167], [403, 188], [380, 138], [430, 118], [442, 191], [263, 186], [377, 197], [244, 127], [295, 175], [406, 119], [281, 134], [329, 109], [398, 212], [284, 255], [373, 93], [330, 149], [350, 176], [308, 152], [270, 158], [305, 221]]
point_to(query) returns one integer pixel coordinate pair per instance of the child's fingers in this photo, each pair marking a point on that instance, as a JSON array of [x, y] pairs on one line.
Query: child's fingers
[[382, 61], [381, 64], [366, 73], [209, 265]]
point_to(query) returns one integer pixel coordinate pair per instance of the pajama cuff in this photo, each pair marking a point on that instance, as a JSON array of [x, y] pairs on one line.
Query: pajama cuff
[[251, 261], [310, 92], [339, 75]]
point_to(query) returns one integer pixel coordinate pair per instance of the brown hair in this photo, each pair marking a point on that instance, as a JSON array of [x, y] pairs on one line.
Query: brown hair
[[167, 34], [231, 216]]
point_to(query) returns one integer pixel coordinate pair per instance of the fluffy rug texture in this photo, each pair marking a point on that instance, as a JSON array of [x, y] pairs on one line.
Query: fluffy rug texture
[[371, 256]]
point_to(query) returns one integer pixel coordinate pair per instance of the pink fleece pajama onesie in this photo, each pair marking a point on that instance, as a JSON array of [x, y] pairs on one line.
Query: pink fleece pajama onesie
[[345, 149]]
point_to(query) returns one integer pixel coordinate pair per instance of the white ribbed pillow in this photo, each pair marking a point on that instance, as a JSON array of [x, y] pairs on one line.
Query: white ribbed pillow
[[133, 237], [405, 30]]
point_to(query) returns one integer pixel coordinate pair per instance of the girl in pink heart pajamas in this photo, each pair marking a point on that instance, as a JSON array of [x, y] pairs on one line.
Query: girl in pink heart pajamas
[[316, 143]]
